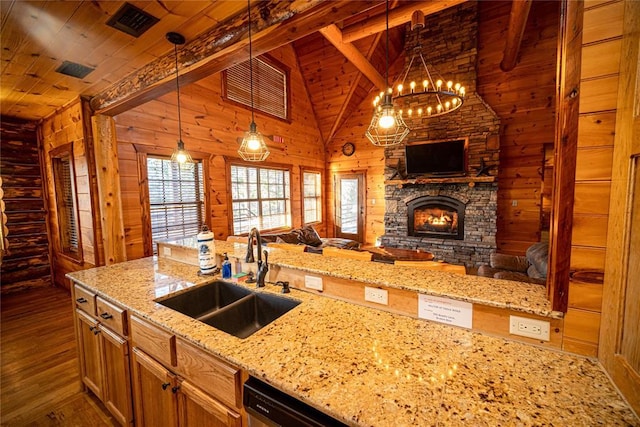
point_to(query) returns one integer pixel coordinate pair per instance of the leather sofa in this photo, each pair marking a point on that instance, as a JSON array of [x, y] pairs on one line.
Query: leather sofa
[[531, 268], [309, 237]]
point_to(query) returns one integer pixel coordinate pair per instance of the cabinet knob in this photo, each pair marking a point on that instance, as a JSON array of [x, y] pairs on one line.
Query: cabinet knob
[[96, 331], [175, 389], [106, 315], [81, 300], [165, 385]]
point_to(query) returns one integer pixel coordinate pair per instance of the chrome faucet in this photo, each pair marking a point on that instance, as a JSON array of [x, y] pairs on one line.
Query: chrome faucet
[[263, 267]]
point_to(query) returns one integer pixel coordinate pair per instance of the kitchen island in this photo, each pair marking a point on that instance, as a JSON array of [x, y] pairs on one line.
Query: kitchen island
[[369, 367]]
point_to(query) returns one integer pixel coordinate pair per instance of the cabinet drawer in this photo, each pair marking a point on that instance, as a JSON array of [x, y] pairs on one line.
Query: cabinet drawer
[[85, 299], [209, 373], [112, 316], [156, 342]]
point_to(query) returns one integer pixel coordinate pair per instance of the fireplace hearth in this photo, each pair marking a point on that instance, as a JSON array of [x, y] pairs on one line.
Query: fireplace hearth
[[439, 217]]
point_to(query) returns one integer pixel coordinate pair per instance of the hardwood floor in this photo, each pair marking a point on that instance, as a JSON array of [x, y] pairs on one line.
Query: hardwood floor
[[39, 378]]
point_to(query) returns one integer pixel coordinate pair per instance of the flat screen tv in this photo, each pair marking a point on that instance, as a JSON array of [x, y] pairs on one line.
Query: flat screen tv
[[437, 158]]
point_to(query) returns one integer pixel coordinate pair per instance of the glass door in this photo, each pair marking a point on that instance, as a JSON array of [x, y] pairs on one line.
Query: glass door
[[349, 195]]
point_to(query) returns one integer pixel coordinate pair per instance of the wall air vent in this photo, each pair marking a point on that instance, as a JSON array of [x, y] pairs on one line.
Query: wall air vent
[[131, 20], [73, 69]]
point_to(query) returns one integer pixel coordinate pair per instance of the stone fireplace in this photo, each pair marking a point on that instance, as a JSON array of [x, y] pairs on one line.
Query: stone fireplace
[[452, 217], [436, 216]]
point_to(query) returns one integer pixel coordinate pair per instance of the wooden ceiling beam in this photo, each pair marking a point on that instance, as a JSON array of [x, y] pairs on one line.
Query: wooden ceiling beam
[[352, 90], [276, 23], [353, 55], [515, 31], [397, 16]]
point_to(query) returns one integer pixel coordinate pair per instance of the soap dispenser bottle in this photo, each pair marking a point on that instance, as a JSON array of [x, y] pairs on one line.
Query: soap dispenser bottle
[[226, 267]]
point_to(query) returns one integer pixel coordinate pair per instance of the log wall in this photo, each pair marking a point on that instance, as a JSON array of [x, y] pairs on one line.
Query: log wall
[[68, 125], [601, 47], [25, 263], [212, 126]]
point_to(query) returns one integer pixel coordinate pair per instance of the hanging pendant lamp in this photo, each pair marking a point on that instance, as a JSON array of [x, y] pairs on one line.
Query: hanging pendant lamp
[[252, 148], [387, 127], [180, 154]]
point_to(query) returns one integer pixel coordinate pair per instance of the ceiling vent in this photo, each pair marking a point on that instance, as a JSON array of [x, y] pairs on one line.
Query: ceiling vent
[[73, 69], [131, 20]]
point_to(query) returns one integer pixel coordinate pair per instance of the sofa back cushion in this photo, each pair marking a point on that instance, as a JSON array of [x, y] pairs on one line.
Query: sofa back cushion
[[308, 235], [537, 255]]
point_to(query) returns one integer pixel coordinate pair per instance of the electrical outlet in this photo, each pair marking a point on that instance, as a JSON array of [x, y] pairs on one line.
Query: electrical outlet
[[379, 296], [530, 328], [166, 251], [313, 282]]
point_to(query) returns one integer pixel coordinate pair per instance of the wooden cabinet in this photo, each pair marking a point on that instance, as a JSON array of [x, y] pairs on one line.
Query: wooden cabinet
[[90, 352], [154, 391], [198, 409], [104, 352], [180, 383]]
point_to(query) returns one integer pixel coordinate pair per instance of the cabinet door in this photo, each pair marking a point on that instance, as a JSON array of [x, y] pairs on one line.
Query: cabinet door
[[198, 409], [154, 392], [89, 350], [117, 383]]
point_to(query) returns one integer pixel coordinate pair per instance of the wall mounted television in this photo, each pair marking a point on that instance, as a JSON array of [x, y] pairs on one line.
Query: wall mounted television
[[439, 158]]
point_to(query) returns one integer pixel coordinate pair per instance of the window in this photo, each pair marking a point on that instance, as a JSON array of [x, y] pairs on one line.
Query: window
[[270, 86], [176, 198], [260, 198], [66, 205], [312, 196]]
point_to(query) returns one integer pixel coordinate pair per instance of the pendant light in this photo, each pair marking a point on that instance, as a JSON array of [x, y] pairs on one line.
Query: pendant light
[[252, 148], [387, 127], [180, 155]]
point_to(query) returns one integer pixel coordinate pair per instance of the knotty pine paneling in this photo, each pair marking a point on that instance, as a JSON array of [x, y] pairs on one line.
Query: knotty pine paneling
[[594, 162], [25, 262], [524, 99], [63, 127], [212, 126], [597, 129]]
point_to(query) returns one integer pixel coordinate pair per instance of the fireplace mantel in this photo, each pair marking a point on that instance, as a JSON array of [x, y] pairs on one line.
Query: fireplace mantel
[[448, 180]]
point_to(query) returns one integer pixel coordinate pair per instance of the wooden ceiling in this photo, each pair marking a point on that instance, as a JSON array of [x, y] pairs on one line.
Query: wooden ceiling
[[340, 46]]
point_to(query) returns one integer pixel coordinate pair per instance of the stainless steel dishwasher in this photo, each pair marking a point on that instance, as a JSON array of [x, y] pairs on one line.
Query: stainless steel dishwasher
[[269, 407]]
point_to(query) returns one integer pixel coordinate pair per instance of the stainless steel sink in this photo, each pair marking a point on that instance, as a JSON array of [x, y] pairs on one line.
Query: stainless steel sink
[[205, 300], [233, 309], [250, 314]]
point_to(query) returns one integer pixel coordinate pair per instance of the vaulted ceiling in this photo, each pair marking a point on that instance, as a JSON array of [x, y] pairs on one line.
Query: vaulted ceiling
[[340, 46]]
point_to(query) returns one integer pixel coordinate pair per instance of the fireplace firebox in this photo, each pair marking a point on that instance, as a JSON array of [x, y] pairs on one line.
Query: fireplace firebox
[[437, 217]]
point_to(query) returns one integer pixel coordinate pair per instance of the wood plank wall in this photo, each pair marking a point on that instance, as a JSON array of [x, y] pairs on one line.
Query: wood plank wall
[[211, 125], [524, 98], [602, 41], [25, 264], [67, 126]]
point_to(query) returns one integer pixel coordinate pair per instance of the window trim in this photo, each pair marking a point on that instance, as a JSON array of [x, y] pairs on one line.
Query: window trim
[[276, 64], [264, 165], [142, 152], [303, 170], [66, 151]]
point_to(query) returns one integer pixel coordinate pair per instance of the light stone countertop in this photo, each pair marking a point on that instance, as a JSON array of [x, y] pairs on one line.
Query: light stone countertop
[[519, 296], [372, 368]]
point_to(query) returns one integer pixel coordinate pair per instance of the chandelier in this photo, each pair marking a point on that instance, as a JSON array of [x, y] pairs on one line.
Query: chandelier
[[428, 94], [180, 154], [252, 148], [387, 127]]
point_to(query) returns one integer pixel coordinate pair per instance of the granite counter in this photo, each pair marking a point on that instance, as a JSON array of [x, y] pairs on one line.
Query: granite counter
[[372, 368]]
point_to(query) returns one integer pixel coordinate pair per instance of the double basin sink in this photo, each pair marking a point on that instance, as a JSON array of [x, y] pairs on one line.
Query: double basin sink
[[233, 309]]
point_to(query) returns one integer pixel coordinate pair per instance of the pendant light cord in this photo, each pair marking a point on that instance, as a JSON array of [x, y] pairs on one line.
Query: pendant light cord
[[387, 55], [250, 60], [175, 48]]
